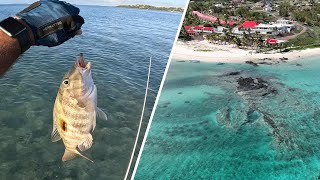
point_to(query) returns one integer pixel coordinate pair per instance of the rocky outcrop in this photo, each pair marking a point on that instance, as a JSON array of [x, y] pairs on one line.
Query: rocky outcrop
[[251, 63], [251, 83], [255, 86]]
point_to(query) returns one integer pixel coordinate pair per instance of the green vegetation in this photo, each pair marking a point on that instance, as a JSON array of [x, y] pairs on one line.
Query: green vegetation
[[140, 6], [306, 13], [297, 30], [309, 38], [310, 17], [247, 14], [284, 9]]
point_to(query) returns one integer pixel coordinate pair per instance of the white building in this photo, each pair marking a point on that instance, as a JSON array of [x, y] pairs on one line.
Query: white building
[[266, 29], [271, 29], [219, 6], [267, 8], [285, 23], [220, 29]]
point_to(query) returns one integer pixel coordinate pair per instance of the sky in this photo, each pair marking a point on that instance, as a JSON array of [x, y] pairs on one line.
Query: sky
[[167, 3]]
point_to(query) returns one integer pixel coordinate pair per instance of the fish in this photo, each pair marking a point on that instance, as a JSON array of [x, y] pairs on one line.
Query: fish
[[75, 111]]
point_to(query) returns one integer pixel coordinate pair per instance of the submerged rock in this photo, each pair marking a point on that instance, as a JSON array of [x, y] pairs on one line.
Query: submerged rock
[[251, 63], [256, 87], [284, 59], [251, 83], [266, 63], [235, 73], [194, 61]]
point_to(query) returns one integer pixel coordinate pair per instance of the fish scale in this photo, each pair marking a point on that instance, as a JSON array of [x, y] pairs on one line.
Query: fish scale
[[75, 111], [74, 132]]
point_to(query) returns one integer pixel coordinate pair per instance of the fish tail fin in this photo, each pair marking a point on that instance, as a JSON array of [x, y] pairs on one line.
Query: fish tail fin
[[69, 155]]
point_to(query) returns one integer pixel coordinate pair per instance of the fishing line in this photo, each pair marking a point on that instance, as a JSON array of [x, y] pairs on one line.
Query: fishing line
[[137, 137]]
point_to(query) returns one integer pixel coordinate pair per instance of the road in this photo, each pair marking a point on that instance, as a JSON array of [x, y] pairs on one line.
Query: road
[[304, 29]]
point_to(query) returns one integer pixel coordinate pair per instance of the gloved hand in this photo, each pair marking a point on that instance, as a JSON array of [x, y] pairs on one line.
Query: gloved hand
[[52, 21]]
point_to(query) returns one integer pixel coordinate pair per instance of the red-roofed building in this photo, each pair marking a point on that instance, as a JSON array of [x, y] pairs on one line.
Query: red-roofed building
[[191, 32], [248, 24], [208, 29], [187, 27], [247, 27], [271, 41], [212, 19], [231, 23], [198, 27]]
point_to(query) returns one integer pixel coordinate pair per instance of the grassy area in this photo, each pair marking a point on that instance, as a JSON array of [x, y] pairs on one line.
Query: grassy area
[[310, 37], [305, 47], [297, 30]]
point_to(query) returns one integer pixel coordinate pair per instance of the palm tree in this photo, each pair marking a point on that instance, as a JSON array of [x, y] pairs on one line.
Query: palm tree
[[245, 39], [237, 41]]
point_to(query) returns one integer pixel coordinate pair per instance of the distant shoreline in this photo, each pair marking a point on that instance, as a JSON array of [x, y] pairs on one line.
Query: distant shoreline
[[148, 7], [207, 52], [15, 4]]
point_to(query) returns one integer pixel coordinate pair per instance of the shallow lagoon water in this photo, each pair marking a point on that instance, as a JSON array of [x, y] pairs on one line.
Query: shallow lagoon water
[[205, 127], [118, 42]]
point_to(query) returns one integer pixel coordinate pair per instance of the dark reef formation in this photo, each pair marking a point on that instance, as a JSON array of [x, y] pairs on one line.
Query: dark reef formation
[[257, 86], [251, 63]]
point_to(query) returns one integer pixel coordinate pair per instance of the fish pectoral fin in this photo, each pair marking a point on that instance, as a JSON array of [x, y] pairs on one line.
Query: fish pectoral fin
[[101, 114], [71, 154], [55, 136], [77, 152], [94, 122], [68, 155], [87, 143]]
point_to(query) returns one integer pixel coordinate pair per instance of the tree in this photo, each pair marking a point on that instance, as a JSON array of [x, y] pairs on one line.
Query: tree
[[237, 41], [284, 9]]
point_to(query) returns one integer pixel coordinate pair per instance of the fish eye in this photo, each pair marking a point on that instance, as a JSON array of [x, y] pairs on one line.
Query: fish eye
[[66, 82]]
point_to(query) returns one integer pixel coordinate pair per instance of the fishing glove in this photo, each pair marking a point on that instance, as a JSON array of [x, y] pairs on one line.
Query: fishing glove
[[52, 21]]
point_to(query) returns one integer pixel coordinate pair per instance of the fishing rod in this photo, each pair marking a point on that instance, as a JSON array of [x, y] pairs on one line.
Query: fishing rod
[[142, 113]]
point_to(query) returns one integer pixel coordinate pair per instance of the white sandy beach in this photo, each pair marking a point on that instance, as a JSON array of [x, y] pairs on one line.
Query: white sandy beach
[[208, 52]]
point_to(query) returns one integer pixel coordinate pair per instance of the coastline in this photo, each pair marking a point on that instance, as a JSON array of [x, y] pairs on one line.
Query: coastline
[[208, 52], [154, 8]]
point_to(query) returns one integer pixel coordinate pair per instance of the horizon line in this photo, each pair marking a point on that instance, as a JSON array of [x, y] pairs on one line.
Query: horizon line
[[101, 5]]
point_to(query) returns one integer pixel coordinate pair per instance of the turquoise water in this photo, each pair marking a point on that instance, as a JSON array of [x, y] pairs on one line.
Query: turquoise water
[[118, 42], [206, 127]]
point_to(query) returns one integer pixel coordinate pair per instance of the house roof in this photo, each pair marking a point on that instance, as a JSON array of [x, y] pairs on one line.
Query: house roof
[[271, 41], [212, 18], [248, 24], [187, 27], [198, 27], [191, 31], [208, 28]]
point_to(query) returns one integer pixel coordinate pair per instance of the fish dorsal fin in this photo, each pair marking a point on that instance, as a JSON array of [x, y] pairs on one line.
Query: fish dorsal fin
[[101, 114], [68, 155], [55, 136], [87, 143]]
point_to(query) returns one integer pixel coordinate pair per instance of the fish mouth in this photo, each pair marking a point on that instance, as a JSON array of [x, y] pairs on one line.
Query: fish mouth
[[80, 63]]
